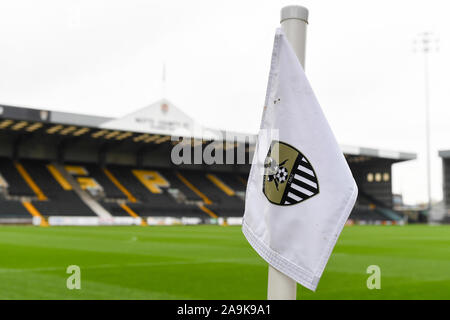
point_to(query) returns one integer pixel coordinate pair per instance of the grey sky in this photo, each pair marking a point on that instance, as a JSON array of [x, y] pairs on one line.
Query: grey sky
[[105, 58]]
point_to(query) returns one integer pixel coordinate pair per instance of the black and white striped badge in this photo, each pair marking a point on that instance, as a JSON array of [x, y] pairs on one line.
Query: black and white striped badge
[[302, 183], [289, 176]]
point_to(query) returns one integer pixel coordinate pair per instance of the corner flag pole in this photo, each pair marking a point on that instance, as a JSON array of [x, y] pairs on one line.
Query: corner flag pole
[[294, 20]]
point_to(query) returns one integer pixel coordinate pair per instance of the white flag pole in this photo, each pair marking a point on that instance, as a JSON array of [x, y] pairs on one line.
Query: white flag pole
[[294, 20]]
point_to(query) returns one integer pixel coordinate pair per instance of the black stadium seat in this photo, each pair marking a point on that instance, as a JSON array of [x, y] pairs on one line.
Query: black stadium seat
[[175, 182], [233, 180], [109, 188], [155, 204], [61, 202], [17, 185], [223, 204], [362, 213], [12, 209], [115, 209]]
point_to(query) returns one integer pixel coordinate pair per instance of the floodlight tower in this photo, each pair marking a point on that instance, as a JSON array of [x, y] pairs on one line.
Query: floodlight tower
[[427, 42]]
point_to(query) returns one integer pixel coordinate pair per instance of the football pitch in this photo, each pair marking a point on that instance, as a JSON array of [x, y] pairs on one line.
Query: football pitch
[[213, 262]]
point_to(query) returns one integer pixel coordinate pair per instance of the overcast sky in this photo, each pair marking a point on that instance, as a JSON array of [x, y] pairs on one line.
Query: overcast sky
[[105, 57]]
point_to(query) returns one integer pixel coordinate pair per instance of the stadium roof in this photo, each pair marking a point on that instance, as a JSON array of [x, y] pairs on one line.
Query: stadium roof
[[156, 123], [379, 153], [444, 153]]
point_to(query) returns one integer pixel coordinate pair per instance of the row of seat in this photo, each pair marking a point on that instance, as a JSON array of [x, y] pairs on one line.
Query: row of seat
[[12, 209], [61, 202], [16, 184], [160, 192], [362, 213], [180, 196]]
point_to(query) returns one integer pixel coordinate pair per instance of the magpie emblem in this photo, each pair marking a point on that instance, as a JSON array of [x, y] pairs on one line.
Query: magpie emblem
[[289, 177]]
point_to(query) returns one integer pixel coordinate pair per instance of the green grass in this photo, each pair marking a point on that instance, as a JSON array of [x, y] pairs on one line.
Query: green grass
[[211, 262]]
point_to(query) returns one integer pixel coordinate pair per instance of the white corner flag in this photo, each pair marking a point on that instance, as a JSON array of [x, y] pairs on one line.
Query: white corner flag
[[300, 191]]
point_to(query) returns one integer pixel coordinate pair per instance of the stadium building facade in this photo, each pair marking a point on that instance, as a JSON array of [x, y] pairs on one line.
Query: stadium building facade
[[61, 168]]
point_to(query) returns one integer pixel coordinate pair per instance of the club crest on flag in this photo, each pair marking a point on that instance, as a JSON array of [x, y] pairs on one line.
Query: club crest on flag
[[289, 177]]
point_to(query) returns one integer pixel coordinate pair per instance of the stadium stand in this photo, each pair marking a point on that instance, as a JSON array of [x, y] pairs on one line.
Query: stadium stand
[[175, 180], [12, 209], [110, 189], [16, 184], [152, 193], [379, 209], [445, 155], [59, 202], [115, 209], [124, 166], [234, 181], [221, 199], [366, 213]]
